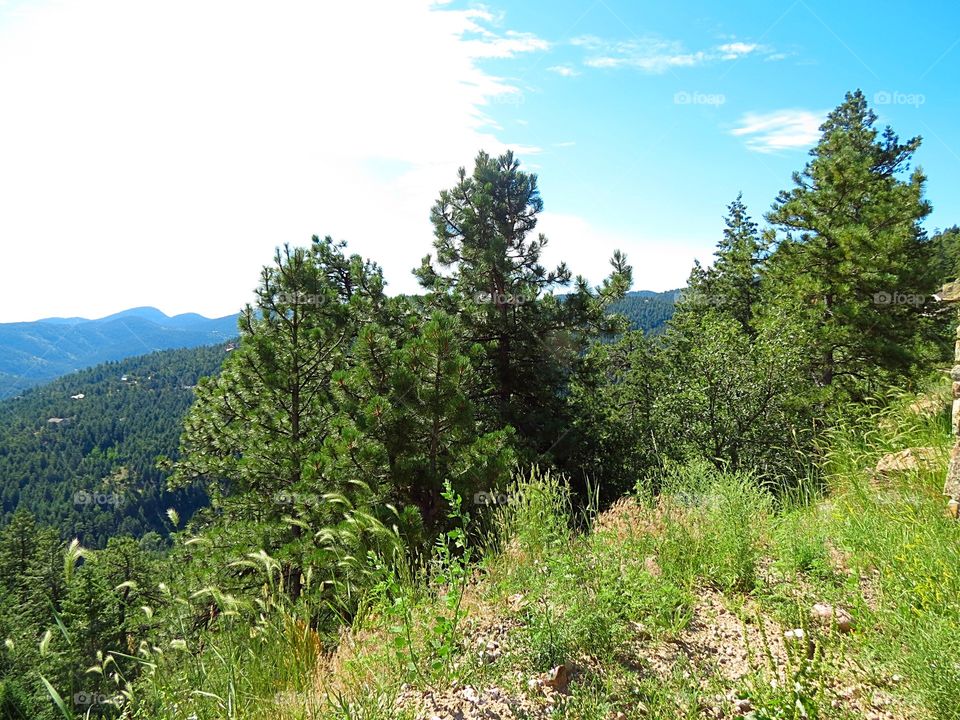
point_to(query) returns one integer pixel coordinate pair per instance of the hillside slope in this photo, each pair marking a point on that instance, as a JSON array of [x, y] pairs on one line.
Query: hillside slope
[[80, 452], [713, 600], [35, 352], [32, 353], [646, 310]]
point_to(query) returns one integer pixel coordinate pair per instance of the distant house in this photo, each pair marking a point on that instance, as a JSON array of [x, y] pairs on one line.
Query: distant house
[[78, 396], [55, 420]]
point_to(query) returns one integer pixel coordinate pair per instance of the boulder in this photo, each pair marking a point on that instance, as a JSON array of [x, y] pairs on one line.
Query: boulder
[[949, 293], [829, 616], [951, 486], [909, 460]]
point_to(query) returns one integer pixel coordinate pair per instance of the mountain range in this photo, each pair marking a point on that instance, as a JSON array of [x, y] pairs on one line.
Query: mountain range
[[36, 352], [32, 353]]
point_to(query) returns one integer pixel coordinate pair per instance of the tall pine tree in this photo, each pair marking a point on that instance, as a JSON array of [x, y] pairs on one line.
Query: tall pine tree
[[851, 265], [488, 272], [254, 437], [732, 284]]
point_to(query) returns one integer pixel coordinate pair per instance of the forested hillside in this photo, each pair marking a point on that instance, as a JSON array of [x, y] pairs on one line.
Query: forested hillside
[[88, 467], [81, 452], [645, 310], [495, 500], [35, 352]]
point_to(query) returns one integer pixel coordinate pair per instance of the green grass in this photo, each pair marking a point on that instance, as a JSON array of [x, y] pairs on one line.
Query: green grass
[[604, 598]]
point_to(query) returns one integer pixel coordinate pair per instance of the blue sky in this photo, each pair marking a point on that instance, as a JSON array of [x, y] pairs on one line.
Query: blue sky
[[156, 153], [654, 148]]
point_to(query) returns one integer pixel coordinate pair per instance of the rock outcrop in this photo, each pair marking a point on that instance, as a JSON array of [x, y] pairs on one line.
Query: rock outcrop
[[951, 488]]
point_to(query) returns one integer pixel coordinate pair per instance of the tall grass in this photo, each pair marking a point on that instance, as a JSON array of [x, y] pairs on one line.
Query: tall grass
[[582, 596], [714, 524], [895, 534]]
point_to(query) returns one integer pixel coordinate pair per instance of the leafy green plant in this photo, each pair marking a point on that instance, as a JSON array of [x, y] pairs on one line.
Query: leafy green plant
[[451, 572]]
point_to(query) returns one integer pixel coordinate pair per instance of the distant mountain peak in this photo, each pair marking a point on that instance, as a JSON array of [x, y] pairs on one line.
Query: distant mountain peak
[[32, 352], [146, 313]]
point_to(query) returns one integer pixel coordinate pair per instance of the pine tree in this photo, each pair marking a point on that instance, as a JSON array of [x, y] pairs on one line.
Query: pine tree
[[488, 273], [255, 434], [852, 263], [946, 254], [731, 285], [409, 423]]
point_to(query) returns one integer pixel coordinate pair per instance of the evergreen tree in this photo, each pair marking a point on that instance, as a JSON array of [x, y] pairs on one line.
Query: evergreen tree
[[612, 397], [488, 272], [946, 254], [853, 263], [255, 434], [732, 283], [409, 422]]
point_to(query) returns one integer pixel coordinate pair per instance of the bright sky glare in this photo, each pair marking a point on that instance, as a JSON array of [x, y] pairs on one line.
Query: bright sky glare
[[155, 153]]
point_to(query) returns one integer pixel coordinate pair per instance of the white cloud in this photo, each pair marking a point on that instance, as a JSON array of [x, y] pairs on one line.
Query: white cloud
[[156, 153], [651, 55], [656, 55], [734, 50], [780, 130], [508, 45], [564, 70]]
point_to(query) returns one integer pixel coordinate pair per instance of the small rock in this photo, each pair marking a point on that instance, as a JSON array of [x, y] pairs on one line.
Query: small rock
[[651, 565], [949, 293], [744, 705], [558, 678], [826, 614], [911, 459]]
